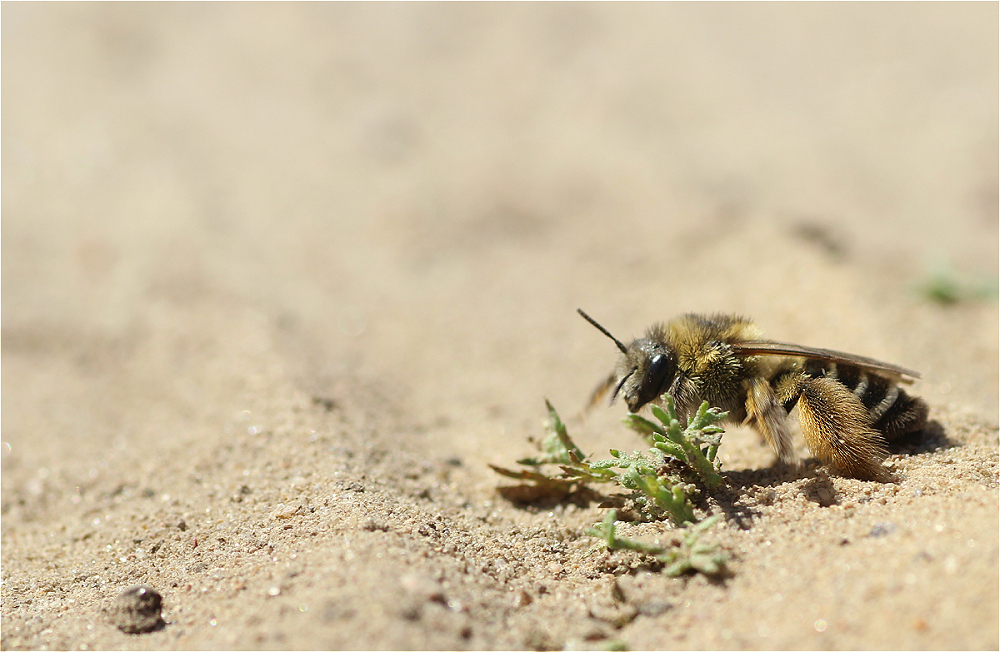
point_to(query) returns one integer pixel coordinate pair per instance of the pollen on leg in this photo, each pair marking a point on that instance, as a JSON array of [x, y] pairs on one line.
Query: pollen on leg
[[838, 431]]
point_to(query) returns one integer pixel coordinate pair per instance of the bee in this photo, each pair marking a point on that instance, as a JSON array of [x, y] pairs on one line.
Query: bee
[[850, 406]]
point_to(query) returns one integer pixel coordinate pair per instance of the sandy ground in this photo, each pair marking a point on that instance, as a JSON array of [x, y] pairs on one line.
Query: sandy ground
[[279, 281]]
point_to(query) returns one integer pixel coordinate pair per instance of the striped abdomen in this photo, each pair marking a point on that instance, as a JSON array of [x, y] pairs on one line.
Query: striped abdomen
[[893, 412]]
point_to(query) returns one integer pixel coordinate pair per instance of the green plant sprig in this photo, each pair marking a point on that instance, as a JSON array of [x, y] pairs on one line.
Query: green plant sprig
[[558, 449], [656, 493], [693, 554], [662, 480], [696, 445]]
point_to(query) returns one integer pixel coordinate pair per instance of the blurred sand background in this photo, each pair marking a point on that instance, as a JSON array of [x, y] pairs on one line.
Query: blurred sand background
[[279, 280]]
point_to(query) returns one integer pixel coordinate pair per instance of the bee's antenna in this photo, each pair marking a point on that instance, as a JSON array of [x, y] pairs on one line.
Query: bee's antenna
[[621, 347]]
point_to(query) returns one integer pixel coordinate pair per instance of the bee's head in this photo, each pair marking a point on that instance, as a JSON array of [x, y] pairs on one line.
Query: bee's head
[[646, 369], [645, 372]]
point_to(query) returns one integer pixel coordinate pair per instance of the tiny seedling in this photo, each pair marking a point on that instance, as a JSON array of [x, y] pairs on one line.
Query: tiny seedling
[[696, 445], [557, 449], [944, 285], [653, 492], [692, 555], [682, 459], [560, 449], [658, 487]]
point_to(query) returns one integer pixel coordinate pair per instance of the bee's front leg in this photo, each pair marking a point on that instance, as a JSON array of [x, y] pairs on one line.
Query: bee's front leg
[[769, 416], [602, 390]]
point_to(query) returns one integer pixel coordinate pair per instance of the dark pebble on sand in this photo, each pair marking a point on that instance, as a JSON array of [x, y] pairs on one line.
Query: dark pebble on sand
[[136, 610]]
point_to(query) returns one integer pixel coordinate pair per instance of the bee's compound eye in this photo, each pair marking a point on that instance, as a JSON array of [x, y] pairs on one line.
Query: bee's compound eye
[[657, 377], [658, 366]]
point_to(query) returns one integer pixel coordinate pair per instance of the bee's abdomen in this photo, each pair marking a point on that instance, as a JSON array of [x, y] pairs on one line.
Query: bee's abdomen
[[893, 412]]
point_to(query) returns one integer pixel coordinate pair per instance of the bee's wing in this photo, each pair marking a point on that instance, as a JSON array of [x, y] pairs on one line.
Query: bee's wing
[[765, 347]]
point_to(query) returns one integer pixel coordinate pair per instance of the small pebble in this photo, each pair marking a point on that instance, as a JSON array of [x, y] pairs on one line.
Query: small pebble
[[825, 497], [882, 529], [371, 525], [423, 587], [136, 610], [654, 608]]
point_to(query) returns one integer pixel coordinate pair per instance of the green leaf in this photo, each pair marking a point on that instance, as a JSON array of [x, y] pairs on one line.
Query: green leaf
[[697, 445], [556, 427], [644, 427], [692, 554]]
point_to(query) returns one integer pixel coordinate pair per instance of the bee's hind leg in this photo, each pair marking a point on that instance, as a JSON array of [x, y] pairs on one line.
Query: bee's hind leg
[[836, 425]]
